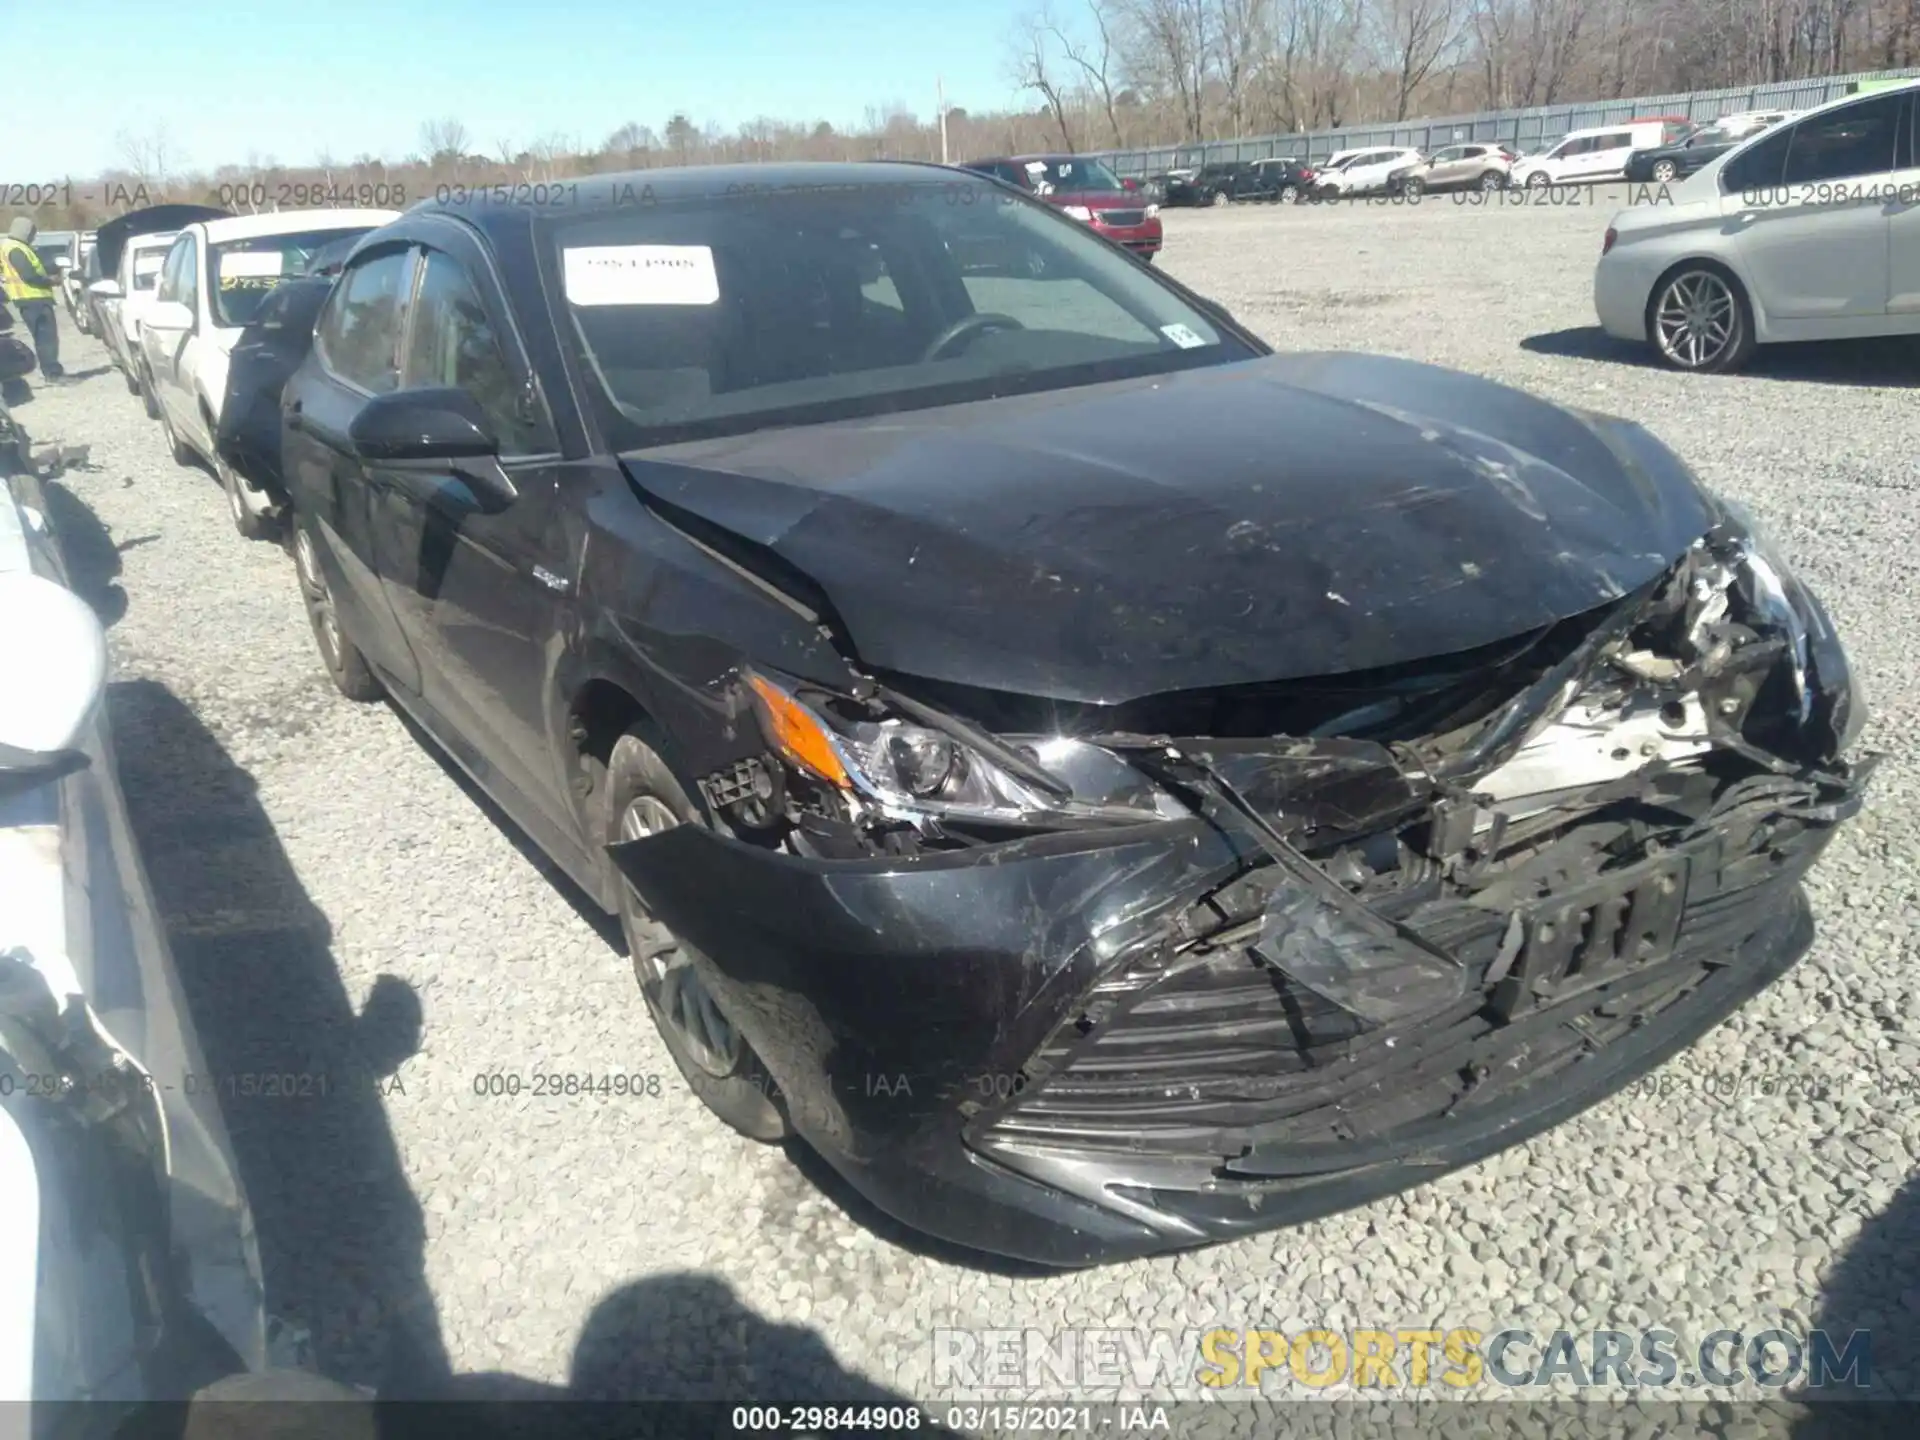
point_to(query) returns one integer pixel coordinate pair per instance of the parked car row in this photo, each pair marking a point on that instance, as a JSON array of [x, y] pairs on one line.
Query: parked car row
[[1806, 229], [1660, 149], [192, 286], [776, 556]]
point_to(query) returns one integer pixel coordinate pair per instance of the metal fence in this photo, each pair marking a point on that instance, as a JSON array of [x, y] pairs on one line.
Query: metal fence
[[1527, 131]]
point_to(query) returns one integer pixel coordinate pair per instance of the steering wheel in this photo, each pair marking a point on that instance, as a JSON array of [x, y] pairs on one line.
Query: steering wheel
[[966, 328]]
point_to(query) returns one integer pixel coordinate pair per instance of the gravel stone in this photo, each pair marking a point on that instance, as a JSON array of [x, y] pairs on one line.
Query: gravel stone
[[341, 905]]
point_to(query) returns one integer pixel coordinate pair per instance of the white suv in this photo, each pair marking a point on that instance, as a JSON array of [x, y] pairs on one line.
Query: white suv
[[214, 278], [124, 299], [1599, 153], [1363, 172]]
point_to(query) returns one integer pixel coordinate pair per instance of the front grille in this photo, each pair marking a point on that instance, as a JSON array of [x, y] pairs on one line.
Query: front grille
[[1120, 218], [1201, 1054]]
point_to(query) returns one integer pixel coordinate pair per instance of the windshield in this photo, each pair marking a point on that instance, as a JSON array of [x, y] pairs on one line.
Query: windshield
[[716, 316], [1077, 175], [242, 273]]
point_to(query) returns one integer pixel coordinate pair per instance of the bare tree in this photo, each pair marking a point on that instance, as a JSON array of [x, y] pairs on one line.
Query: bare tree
[[149, 155], [1411, 36], [1169, 51], [1032, 67], [1096, 61], [444, 141]]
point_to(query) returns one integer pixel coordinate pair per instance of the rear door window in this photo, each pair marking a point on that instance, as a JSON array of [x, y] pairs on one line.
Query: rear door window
[[1845, 144], [1760, 166]]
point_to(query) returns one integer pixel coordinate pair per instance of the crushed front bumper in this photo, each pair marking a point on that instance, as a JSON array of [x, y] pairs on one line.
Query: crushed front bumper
[[1071, 1049]]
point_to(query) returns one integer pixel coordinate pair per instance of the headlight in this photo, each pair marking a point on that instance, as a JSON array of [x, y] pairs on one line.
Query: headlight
[[916, 772], [1153, 212], [1077, 212]]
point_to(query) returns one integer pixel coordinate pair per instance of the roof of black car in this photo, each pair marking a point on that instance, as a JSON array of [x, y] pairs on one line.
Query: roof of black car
[[509, 206]]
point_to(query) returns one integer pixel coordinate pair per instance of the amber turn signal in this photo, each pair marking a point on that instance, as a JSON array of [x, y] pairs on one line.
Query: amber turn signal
[[797, 734]]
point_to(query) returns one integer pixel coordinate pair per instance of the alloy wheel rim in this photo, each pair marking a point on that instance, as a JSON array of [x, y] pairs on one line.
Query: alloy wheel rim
[[1696, 319], [679, 995], [1663, 172], [319, 598]]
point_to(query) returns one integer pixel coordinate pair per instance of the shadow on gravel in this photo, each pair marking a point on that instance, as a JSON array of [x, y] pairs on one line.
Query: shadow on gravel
[[92, 554], [1893, 361], [300, 1074], [675, 1337], [1875, 1287]]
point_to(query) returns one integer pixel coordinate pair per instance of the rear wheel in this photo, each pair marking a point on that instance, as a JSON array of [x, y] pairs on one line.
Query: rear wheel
[[346, 666], [143, 387], [1538, 180], [253, 522], [1289, 195], [1413, 187], [1493, 180], [182, 452], [643, 797], [1220, 197], [1699, 320]]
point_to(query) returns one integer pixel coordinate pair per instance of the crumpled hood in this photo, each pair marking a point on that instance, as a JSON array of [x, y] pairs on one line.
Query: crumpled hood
[[1290, 516]]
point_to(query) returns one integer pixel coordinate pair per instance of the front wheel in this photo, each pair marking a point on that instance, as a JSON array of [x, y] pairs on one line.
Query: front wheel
[[1664, 171], [1220, 197], [1538, 180], [1413, 187], [1493, 180], [1700, 321], [150, 402], [643, 797], [1289, 195]]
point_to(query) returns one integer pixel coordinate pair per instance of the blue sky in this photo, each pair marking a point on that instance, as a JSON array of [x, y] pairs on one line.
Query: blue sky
[[228, 78]]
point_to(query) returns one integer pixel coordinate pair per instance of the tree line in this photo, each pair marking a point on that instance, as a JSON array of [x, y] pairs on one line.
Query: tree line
[[1125, 74]]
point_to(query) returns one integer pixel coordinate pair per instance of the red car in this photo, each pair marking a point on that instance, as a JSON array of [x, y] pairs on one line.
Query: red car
[[1088, 191]]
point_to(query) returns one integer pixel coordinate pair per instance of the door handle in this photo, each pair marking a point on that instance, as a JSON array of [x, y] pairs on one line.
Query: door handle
[[294, 419]]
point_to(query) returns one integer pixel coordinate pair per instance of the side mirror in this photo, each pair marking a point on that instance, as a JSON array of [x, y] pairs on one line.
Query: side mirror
[[1130, 184], [54, 655], [440, 424], [442, 427], [168, 315], [63, 262], [107, 290]]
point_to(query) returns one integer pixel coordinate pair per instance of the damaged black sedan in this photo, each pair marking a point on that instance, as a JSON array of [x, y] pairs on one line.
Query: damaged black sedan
[[1093, 830]]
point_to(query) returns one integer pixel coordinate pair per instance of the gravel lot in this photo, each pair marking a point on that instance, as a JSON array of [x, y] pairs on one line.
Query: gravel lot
[[337, 898]]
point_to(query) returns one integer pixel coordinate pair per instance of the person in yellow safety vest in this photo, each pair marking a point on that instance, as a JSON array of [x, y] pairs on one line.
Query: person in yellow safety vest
[[26, 283]]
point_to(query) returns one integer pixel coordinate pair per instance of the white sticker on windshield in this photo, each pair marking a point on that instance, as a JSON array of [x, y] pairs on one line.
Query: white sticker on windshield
[[640, 275], [252, 262], [149, 264], [1182, 336]]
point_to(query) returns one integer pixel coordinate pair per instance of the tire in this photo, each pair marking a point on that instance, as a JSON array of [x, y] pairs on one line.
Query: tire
[[1413, 187], [1220, 197], [143, 387], [1538, 180], [251, 524], [1147, 256], [182, 452], [1664, 171], [643, 796], [1289, 195], [345, 665], [1493, 180], [133, 381], [1684, 304]]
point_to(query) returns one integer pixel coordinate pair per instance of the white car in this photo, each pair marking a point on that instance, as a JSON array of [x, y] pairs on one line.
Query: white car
[[1807, 231], [1600, 153], [1363, 172], [124, 299], [215, 276]]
